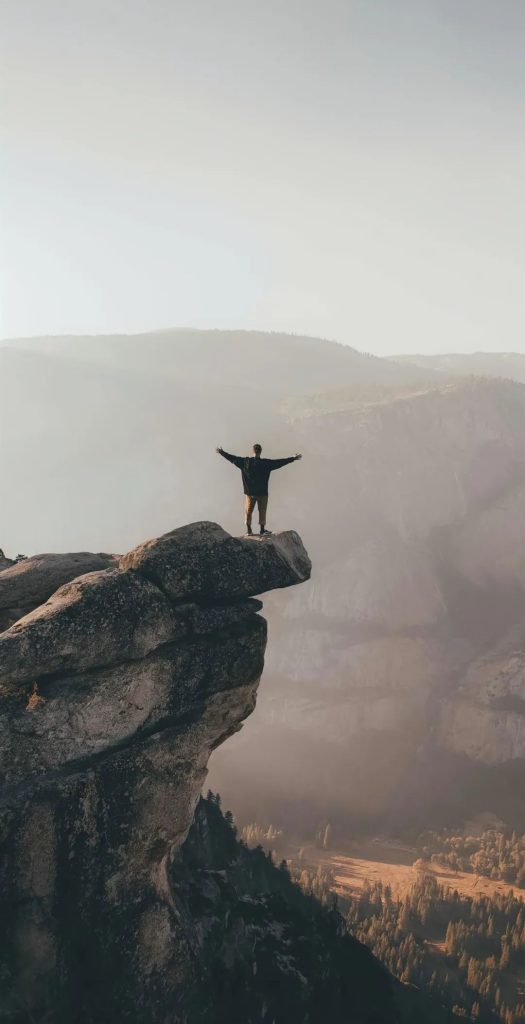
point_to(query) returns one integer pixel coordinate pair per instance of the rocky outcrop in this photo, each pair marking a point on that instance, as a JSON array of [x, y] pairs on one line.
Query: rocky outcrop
[[113, 694], [31, 581], [197, 560]]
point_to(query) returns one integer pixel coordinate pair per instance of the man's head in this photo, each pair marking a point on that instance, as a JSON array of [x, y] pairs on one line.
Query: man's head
[[257, 449]]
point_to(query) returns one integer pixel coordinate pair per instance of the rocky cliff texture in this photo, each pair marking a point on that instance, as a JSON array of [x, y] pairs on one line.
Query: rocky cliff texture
[[485, 717], [113, 693], [31, 581]]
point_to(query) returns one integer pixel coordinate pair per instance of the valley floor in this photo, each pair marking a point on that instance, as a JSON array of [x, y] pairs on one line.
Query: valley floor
[[358, 862]]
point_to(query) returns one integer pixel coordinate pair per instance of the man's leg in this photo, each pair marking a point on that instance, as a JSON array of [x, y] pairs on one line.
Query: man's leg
[[262, 504], [249, 507]]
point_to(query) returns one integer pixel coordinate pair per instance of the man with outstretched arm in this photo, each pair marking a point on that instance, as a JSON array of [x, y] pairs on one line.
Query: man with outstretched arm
[[255, 475]]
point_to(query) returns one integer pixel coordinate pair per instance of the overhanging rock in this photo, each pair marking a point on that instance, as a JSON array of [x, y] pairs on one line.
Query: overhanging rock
[[113, 694], [203, 562]]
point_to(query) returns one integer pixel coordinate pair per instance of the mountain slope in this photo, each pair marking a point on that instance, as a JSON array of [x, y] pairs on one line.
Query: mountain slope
[[482, 364], [275, 363], [267, 952]]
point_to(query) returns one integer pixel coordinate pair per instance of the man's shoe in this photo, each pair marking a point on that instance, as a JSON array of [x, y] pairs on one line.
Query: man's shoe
[[265, 532], [249, 531]]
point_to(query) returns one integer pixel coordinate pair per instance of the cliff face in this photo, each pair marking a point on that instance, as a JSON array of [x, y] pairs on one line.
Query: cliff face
[[113, 693], [485, 718]]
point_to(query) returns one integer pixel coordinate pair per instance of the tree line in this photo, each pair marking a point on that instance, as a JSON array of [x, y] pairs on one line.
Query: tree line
[[494, 854]]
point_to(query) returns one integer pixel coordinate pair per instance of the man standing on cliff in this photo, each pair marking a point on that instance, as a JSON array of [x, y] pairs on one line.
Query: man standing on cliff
[[255, 475]]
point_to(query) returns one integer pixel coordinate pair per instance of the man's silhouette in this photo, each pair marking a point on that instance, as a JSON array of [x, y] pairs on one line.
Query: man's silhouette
[[255, 475]]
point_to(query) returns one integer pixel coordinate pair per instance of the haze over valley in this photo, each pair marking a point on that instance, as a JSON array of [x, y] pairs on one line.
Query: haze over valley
[[393, 688]]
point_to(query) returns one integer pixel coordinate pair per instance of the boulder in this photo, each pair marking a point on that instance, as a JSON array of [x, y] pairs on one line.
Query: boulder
[[203, 562], [101, 618], [27, 583]]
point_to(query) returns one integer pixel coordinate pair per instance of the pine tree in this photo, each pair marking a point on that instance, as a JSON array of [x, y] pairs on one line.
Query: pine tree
[[504, 961]]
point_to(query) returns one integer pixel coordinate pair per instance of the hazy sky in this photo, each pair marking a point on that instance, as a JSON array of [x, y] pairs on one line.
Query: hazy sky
[[348, 168]]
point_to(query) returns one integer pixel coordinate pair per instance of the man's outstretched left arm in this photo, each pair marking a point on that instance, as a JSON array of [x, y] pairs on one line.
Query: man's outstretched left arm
[[277, 463]]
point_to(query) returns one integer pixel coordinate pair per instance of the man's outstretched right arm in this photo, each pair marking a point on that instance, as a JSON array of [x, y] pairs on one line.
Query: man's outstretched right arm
[[236, 459]]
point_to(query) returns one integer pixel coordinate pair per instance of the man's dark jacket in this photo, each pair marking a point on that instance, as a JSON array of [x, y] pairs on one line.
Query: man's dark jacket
[[256, 472]]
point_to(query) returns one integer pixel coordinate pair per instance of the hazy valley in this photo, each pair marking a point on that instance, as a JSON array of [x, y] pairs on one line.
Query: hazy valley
[[394, 678], [393, 698]]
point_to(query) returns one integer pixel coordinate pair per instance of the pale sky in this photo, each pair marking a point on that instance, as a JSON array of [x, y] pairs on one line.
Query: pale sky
[[352, 169]]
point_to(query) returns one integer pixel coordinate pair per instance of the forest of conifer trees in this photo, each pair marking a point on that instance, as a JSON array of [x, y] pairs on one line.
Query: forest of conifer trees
[[467, 952]]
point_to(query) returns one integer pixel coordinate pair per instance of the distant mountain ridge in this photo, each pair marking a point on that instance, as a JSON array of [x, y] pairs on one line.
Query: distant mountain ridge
[[482, 364], [254, 358]]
